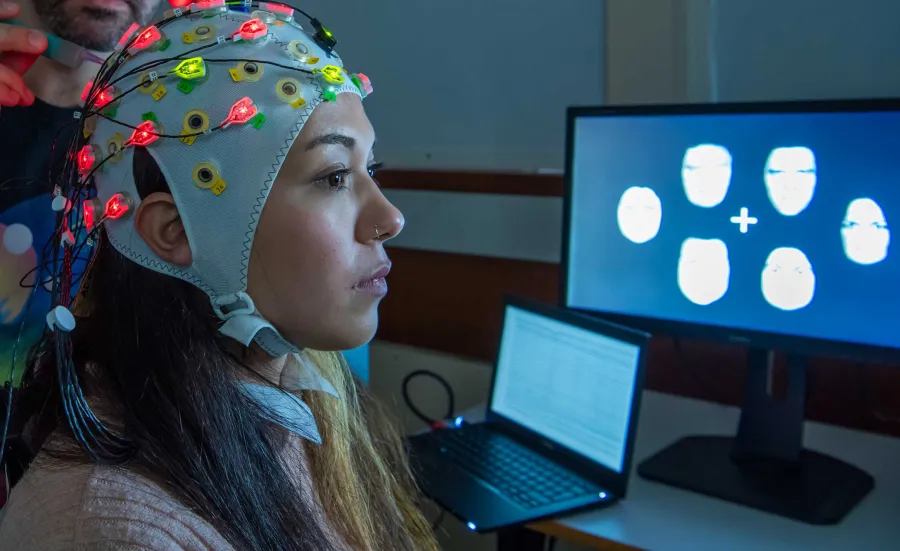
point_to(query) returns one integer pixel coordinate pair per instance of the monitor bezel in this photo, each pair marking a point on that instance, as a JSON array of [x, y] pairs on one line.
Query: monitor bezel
[[610, 480], [682, 329]]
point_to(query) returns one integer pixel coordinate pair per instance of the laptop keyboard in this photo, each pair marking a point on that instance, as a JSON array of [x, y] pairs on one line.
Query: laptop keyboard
[[518, 473]]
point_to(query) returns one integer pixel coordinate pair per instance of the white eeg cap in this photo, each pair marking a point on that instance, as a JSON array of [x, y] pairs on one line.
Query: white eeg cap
[[264, 87]]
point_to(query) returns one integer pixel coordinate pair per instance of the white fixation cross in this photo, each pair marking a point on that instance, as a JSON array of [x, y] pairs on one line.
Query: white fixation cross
[[60, 318]]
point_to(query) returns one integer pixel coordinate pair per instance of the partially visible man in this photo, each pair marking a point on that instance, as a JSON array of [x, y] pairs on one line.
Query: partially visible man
[[37, 101], [44, 96]]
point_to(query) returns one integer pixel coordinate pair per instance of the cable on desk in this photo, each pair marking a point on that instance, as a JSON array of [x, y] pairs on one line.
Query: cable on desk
[[432, 423], [451, 399]]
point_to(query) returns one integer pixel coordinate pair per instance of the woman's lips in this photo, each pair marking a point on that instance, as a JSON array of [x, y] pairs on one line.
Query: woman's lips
[[375, 284]]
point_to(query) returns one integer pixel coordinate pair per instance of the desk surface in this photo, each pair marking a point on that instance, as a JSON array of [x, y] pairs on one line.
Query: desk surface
[[662, 518]]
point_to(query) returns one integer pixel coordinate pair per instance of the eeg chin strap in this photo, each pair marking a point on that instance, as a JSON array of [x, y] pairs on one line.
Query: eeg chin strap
[[247, 325]]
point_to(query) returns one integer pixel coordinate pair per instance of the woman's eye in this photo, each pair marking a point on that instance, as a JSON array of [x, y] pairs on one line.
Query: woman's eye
[[337, 180], [373, 170]]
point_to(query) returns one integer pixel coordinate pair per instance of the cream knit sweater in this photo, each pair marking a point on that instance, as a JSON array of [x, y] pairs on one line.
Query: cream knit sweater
[[90, 507], [98, 508]]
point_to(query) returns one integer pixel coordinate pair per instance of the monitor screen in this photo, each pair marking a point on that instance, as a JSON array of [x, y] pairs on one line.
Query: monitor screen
[[770, 222], [568, 384]]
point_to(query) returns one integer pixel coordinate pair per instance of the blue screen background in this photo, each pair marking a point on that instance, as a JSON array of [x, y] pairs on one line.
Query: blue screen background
[[857, 155]]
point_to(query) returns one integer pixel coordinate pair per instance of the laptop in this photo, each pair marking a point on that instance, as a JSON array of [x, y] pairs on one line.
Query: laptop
[[559, 431]]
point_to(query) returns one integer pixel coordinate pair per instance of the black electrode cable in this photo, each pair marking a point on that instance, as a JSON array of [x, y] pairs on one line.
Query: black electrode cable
[[451, 400], [432, 423]]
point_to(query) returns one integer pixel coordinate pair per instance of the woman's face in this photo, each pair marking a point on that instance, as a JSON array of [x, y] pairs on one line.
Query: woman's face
[[317, 265]]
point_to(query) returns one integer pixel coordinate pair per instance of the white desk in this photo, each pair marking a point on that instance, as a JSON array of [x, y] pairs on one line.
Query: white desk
[[662, 518]]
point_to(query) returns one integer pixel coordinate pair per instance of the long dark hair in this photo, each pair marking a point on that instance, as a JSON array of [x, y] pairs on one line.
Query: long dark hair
[[147, 345]]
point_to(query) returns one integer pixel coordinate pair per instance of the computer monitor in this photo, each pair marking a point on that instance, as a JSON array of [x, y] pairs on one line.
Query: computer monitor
[[766, 224]]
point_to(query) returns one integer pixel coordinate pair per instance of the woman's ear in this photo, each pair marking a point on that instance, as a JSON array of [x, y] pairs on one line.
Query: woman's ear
[[157, 221]]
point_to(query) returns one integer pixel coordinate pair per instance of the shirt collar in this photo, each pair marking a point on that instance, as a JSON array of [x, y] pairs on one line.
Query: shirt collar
[[282, 406]]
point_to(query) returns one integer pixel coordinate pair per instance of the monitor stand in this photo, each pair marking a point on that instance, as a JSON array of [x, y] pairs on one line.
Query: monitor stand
[[765, 465]]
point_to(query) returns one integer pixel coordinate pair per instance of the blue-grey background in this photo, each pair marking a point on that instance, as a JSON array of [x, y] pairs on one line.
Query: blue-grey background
[[358, 358]]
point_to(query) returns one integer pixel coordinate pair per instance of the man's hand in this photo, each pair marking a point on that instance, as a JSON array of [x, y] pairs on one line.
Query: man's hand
[[19, 48]]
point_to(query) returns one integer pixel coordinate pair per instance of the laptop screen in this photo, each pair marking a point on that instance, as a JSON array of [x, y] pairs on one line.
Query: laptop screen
[[568, 384]]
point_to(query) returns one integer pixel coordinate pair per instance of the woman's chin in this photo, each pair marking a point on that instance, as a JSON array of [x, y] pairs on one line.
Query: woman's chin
[[361, 337], [347, 336]]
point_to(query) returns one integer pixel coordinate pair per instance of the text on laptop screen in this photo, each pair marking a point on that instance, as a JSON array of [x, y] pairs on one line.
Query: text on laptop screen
[[568, 384]]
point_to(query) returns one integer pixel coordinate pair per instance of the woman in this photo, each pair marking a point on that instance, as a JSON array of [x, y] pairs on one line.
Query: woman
[[185, 405]]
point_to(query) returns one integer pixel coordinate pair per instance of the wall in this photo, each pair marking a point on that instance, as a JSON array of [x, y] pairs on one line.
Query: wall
[[466, 84], [670, 51], [802, 49], [646, 51]]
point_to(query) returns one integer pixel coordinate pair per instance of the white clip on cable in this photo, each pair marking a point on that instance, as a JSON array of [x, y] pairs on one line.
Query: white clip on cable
[[61, 203], [68, 239], [61, 318], [49, 283]]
